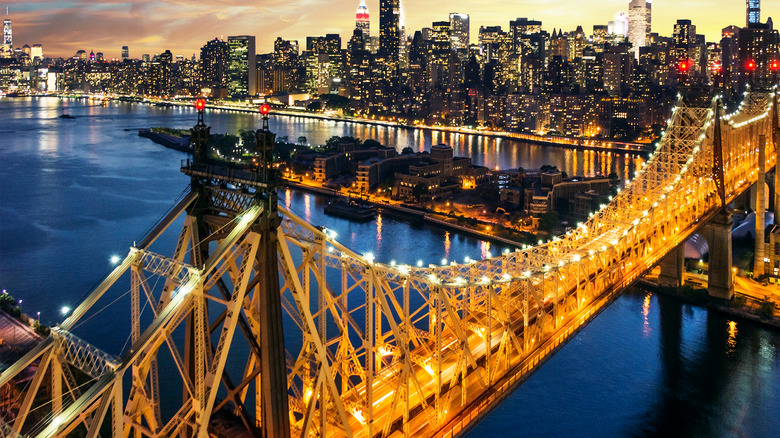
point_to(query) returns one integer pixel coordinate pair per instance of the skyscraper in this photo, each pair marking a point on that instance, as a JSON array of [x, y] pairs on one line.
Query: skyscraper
[[214, 58], [389, 30], [125, 53], [639, 17], [361, 20], [6, 51], [753, 12], [459, 31], [242, 70]]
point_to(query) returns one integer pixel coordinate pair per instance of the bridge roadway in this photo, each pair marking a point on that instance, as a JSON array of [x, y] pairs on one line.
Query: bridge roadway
[[390, 350]]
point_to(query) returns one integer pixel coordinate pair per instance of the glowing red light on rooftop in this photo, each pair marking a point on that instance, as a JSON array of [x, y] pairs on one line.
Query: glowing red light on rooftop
[[265, 109], [200, 104], [684, 66], [751, 65], [775, 66]]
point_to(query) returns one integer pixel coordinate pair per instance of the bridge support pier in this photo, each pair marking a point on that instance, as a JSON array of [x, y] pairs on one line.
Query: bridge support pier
[[672, 268], [760, 253], [718, 234]]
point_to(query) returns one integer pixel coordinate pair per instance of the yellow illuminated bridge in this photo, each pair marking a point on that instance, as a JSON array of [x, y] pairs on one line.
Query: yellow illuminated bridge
[[379, 350]]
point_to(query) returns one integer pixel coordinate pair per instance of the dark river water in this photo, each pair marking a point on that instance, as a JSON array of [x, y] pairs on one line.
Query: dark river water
[[73, 193]]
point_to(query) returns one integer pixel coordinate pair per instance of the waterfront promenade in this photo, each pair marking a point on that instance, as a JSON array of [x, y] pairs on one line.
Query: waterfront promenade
[[549, 140]]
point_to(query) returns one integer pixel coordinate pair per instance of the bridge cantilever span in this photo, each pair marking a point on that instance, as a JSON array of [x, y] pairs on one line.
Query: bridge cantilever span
[[381, 349]]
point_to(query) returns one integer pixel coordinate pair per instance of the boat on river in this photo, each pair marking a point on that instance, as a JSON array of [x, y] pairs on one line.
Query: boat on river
[[351, 209]]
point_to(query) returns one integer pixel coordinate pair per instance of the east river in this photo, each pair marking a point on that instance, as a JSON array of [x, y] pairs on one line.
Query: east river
[[74, 192]]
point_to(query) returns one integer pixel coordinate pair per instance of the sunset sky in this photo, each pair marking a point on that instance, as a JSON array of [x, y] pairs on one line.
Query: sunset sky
[[183, 26]]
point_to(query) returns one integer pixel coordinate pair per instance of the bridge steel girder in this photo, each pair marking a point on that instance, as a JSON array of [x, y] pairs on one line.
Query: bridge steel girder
[[383, 348]]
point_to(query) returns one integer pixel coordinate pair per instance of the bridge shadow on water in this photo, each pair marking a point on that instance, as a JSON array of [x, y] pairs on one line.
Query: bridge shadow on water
[[714, 375]]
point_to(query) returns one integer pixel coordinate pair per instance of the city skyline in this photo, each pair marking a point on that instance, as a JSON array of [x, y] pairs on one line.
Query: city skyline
[[113, 24]]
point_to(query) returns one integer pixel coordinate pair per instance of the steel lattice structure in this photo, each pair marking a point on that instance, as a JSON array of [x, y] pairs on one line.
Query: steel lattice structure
[[377, 349]]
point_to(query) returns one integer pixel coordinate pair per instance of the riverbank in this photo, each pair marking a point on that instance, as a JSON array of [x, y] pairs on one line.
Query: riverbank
[[563, 142], [741, 306]]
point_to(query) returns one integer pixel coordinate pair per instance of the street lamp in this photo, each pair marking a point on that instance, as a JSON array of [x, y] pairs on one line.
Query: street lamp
[[20, 306]]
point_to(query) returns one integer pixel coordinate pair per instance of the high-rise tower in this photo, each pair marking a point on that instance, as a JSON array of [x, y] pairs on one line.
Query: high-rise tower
[[361, 20], [242, 66], [459, 31], [7, 33], [125, 53], [639, 18], [214, 59], [753, 12], [389, 27], [7, 49]]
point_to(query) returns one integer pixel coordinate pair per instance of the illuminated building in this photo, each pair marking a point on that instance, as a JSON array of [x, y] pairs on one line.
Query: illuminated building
[[158, 81], [459, 30], [438, 55], [324, 63], [214, 58], [242, 67], [362, 21], [639, 17], [389, 27], [36, 52], [758, 43], [6, 51], [618, 28], [125, 53], [753, 12]]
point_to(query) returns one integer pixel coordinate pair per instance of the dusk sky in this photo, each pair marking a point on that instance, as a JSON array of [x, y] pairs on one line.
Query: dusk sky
[[183, 26]]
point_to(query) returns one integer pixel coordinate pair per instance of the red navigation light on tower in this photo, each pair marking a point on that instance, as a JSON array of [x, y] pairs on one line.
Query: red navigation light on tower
[[750, 65], [265, 109], [200, 105]]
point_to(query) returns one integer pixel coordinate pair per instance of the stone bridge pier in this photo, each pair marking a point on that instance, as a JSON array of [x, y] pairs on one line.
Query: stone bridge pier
[[717, 232]]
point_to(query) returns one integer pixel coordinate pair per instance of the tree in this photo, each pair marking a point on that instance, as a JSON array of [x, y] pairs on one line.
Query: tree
[[302, 140], [314, 106], [407, 150], [548, 221], [333, 142], [419, 191], [371, 144]]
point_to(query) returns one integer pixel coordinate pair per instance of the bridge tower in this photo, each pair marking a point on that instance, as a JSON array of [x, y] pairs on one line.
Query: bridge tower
[[262, 181]]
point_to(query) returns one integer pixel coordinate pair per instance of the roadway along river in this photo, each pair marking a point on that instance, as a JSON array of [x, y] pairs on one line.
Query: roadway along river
[[75, 192]]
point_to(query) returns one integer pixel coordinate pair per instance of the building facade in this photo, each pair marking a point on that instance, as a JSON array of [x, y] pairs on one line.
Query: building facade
[[242, 67], [362, 21], [639, 20]]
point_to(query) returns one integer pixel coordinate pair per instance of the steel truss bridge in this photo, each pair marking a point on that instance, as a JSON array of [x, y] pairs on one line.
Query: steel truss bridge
[[372, 350]]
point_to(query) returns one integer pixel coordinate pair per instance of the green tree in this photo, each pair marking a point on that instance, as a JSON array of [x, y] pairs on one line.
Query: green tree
[[333, 142], [302, 140]]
